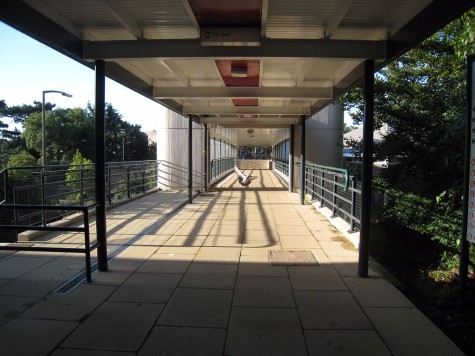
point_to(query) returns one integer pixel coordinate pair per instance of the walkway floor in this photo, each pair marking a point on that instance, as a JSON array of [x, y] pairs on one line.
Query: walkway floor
[[201, 284]]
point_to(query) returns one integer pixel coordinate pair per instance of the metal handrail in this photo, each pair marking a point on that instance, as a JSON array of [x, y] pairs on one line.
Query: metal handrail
[[87, 244], [324, 185], [330, 169], [72, 184]]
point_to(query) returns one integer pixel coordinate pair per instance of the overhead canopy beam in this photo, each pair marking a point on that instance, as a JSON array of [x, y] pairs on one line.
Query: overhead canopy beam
[[176, 49], [122, 15], [342, 9], [258, 110], [249, 120], [242, 92]]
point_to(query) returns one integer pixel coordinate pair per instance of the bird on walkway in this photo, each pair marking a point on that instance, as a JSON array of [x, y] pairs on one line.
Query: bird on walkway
[[243, 179]]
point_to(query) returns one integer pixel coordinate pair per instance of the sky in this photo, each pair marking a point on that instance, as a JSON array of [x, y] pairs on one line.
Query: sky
[[27, 68]]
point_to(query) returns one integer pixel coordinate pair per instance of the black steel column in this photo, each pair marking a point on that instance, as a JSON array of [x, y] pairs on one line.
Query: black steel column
[[205, 158], [291, 158], [368, 93], [100, 166], [464, 243], [190, 159], [302, 161]]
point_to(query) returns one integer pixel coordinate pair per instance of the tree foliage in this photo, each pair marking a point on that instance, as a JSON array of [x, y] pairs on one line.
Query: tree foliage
[[69, 131], [421, 97]]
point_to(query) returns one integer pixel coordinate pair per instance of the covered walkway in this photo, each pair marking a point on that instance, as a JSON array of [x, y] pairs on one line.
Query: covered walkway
[[202, 283]]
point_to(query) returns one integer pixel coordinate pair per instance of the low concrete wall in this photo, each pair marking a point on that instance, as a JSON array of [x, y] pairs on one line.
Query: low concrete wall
[[254, 164]]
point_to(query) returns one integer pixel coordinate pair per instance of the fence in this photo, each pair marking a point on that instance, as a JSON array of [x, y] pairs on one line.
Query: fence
[[174, 176], [84, 229], [221, 166], [336, 190], [281, 166], [72, 185]]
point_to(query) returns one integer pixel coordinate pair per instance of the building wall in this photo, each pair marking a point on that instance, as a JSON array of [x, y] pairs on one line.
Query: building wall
[[172, 150], [323, 139]]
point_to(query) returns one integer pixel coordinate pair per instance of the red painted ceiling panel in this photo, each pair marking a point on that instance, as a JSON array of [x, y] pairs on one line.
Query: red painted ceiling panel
[[250, 80], [245, 102]]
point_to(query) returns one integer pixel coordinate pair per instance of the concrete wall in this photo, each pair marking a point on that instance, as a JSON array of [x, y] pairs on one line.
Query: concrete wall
[[254, 164], [323, 139], [172, 149]]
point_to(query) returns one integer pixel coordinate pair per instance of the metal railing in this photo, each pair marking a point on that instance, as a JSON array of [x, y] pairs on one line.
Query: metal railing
[[175, 176], [220, 166], [85, 229], [73, 185], [281, 166], [335, 189]]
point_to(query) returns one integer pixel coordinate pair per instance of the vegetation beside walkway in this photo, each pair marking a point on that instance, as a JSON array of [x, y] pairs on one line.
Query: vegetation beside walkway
[[421, 99]]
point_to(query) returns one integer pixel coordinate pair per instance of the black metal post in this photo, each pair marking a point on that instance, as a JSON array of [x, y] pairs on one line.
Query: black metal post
[[190, 159], [291, 158], [205, 158], [302, 161], [100, 166], [464, 243], [368, 92]]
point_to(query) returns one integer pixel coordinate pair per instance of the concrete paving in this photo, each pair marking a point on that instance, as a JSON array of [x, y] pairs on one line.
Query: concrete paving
[[201, 283]]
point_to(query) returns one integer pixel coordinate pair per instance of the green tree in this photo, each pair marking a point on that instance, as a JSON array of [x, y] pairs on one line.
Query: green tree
[[67, 130], [80, 175], [421, 96]]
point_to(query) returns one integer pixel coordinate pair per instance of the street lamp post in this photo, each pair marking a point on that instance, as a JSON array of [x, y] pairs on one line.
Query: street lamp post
[[43, 130]]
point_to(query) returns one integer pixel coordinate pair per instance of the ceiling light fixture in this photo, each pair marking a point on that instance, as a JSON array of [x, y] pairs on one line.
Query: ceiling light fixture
[[239, 71]]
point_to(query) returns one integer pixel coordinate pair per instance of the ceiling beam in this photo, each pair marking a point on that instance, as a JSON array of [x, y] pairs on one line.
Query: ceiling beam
[[176, 49], [255, 110], [342, 9], [123, 16], [242, 92], [264, 14]]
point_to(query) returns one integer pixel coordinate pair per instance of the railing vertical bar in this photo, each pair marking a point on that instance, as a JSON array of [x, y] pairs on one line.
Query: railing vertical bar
[[334, 200], [353, 204], [322, 192], [87, 242]]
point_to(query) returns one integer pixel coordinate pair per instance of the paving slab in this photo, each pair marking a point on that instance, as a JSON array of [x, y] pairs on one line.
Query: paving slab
[[218, 255], [12, 306], [115, 327], [197, 308], [82, 352], [376, 292], [406, 331], [315, 278], [33, 337], [345, 343], [330, 310], [15, 265], [167, 263], [146, 288], [264, 331], [202, 275], [166, 340], [253, 291], [259, 266], [38, 283], [73, 306]]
